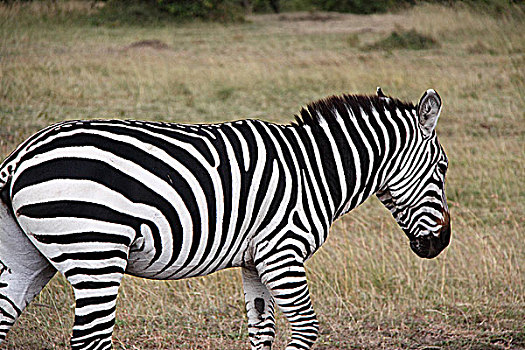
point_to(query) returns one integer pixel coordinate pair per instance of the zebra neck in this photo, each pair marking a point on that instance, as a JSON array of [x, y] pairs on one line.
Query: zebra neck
[[350, 158]]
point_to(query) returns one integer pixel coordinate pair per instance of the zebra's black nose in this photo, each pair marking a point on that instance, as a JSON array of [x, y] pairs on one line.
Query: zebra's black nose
[[430, 246], [444, 236]]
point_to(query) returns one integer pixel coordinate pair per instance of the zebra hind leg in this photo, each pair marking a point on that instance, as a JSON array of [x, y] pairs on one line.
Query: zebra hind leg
[[260, 309], [94, 263], [95, 311], [24, 271], [284, 275]]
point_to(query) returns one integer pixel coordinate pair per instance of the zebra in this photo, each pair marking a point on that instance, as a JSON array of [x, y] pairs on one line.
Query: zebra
[[98, 199]]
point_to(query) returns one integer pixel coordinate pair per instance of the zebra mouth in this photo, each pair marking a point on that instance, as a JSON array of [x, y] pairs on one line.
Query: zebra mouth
[[430, 246], [424, 248]]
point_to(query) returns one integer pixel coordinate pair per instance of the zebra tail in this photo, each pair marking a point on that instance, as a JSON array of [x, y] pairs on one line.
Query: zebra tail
[[6, 173]]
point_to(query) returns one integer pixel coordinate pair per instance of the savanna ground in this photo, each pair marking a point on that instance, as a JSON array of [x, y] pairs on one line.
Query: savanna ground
[[369, 290]]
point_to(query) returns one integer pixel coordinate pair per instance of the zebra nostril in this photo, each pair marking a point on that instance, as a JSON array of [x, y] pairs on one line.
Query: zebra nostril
[[430, 246], [420, 246], [445, 235]]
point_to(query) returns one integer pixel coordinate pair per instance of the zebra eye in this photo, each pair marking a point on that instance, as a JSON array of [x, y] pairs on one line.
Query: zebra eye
[[442, 168]]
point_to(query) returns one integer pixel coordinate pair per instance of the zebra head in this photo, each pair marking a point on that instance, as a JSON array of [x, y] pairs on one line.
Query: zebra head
[[415, 194]]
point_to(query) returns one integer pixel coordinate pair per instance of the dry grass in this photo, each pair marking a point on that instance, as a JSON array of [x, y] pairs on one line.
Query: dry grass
[[369, 290]]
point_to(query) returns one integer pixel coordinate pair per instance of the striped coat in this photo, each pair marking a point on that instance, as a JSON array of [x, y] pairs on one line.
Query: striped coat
[[99, 199]]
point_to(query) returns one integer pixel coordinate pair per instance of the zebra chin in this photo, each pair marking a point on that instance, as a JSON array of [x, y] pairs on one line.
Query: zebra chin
[[430, 246]]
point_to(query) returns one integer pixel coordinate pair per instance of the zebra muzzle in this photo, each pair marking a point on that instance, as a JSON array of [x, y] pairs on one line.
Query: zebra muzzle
[[430, 246]]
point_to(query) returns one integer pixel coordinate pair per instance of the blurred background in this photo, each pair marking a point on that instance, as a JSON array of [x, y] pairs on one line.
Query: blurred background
[[217, 60]]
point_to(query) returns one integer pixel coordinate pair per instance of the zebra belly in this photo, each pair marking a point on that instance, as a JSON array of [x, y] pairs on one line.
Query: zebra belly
[[143, 252]]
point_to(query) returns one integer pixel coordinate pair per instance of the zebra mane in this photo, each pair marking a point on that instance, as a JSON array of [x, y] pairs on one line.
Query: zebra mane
[[328, 108]]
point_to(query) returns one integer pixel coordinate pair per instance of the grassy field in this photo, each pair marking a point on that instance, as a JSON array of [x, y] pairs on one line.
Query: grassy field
[[369, 290]]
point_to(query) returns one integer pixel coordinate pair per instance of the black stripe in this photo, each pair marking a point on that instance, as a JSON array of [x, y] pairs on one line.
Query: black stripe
[[93, 271], [98, 327], [10, 302], [90, 317], [95, 285], [78, 209], [4, 313], [82, 237], [98, 255], [312, 177], [81, 302], [174, 131]]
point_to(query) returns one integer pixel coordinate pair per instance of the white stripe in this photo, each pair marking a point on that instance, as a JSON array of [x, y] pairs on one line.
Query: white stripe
[[244, 237], [284, 200], [355, 156], [244, 147], [368, 148], [337, 155], [319, 163]]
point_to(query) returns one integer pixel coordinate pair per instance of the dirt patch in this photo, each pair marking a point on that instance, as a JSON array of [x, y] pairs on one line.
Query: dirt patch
[[310, 16], [153, 44], [327, 22]]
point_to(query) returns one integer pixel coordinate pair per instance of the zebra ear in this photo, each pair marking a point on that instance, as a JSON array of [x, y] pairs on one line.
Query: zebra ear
[[380, 92], [428, 110]]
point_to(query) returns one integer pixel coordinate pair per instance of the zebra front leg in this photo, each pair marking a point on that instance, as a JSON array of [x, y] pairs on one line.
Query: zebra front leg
[[23, 271], [260, 310], [284, 275]]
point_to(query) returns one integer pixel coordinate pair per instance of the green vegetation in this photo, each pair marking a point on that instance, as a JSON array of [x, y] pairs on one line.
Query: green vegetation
[[116, 13], [404, 39], [369, 289], [359, 6], [111, 13], [159, 11]]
